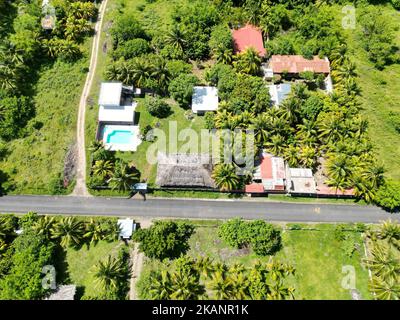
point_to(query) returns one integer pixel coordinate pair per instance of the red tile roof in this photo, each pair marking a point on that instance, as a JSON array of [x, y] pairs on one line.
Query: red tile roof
[[248, 36], [255, 188], [326, 190], [297, 64]]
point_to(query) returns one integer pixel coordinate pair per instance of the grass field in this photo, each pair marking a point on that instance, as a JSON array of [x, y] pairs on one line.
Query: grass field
[[317, 256], [36, 161], [81, 262], [380, 95]]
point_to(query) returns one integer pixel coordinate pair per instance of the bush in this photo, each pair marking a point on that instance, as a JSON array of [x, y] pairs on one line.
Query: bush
[[221, 37], [181, 89], [388, 195], [164, 239], [157, 107], [263, 237], [132, 48], [24, 281], [178, 67], [125, 28]]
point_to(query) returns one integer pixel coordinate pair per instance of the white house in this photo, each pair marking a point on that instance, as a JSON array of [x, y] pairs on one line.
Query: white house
[[116, 126], [127, 227], [204, 99]]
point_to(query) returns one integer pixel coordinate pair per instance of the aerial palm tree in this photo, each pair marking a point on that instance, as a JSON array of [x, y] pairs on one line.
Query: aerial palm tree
[[186, 286], [110, 273], [240, 284], [123, 177], [289, 110], [390, 231], [204, 265], [225, 177], [103, 168], [383, 263], [261, 126], [221, 285], [292, 155], [363, 188], [94, 231], [176, 37], [141, 72], [385, 289], [344, 72], [248, 62], [276, 145], [161, 74], [340, 170], [161, 286], [374, 174], [70, 231], [308, 156], [223, 55], [44, 226]]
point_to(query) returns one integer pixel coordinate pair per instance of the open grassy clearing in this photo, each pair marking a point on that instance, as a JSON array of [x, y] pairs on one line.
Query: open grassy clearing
[[317, 256], [380, 95], [81, 262], [36, 162]]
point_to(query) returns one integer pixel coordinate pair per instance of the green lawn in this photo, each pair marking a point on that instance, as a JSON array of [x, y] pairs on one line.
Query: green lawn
[[80, 265], [317, 256]]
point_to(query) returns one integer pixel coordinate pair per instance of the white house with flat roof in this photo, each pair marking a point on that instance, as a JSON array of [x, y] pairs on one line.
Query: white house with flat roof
[[127, 227], [204, 99], [116, 120]]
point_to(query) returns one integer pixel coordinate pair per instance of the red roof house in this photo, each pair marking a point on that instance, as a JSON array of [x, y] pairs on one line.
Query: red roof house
[[246, 37], [297, 64]]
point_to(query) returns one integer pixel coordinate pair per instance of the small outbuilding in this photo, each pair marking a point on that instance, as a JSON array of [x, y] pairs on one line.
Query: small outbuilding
[[127, 227], [248, 37], [204, 99]]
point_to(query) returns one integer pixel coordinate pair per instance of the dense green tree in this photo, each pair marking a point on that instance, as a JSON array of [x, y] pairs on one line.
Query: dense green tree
[[181, 89], [70, 231], [164, 239]]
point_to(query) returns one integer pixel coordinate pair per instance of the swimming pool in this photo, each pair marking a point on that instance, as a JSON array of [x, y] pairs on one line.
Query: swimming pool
[[121, 137]]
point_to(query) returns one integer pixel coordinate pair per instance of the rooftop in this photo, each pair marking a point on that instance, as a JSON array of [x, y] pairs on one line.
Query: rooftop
[[184, 170], [271, 172], [110, 94], [126, 226], [298, 64], [301, 181], [204, 99], [279, 92], [248, 36], [125, 114]]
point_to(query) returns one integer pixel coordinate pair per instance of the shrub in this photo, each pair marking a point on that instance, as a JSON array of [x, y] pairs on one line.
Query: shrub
[[24, 280], [388, 195], [263, 237], [232, 233], [157, 107], [132, 48], [164, 239], [125, 28], [181, 89]]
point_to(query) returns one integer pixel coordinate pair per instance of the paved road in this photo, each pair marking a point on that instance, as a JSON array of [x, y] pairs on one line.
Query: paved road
[[195, 209]]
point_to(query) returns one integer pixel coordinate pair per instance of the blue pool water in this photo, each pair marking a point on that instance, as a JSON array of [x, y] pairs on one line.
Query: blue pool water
[[120, 137]]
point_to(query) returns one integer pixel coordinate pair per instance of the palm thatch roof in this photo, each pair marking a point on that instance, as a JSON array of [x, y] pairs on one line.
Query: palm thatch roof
[[184, 170]]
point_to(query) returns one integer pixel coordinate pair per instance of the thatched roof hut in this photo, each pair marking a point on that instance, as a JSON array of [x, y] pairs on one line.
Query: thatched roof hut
[[184, 170]]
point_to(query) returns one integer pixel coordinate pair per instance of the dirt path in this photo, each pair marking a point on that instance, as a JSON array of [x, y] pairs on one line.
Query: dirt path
[[80, 187], [137, 258]]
